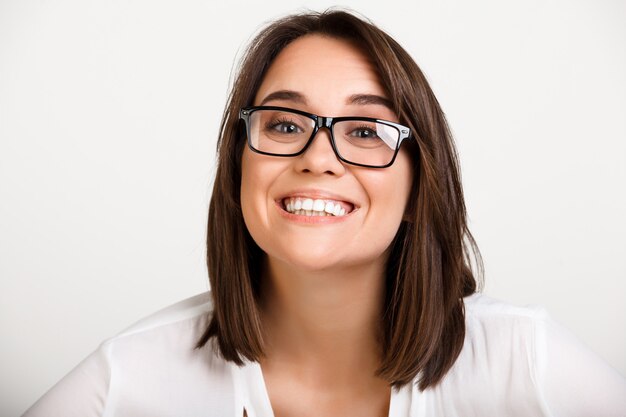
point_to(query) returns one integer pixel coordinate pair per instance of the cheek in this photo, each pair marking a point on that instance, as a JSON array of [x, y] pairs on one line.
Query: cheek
[[249, 190], [258, 174], [404, 172], [389, 189], [389, 192]]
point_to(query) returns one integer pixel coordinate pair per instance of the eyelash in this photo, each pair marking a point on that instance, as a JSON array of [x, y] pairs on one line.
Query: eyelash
[[368, 128], [273, 123]]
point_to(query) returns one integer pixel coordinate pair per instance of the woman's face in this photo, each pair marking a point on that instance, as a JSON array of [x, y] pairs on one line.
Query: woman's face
[[322, 76]]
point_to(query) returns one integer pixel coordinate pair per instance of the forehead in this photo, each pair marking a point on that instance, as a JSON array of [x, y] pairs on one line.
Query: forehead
[[325, 70]]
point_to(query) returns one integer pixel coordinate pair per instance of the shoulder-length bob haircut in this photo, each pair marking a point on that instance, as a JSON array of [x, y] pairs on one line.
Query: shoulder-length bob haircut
[[429, 268]]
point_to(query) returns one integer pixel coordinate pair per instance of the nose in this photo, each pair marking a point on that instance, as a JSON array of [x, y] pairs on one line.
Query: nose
[[319, 158]]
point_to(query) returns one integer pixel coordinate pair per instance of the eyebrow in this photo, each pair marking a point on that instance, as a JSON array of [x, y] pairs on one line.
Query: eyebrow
[[358, 99], [364, 99], [285, 95]]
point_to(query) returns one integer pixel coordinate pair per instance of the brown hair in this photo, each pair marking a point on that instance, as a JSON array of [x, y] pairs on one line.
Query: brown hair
[[429, 269]]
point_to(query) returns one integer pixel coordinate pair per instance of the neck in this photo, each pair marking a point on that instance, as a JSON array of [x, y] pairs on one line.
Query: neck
[[324, 320]]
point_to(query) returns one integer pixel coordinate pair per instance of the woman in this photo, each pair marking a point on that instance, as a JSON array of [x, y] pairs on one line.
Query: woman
[[338, 256]]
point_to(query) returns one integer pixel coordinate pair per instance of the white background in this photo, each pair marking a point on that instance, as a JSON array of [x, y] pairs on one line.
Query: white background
[[109, 112]]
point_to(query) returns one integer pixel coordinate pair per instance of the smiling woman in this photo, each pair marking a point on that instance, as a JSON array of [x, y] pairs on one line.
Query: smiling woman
[[374, 200], [339, 261]]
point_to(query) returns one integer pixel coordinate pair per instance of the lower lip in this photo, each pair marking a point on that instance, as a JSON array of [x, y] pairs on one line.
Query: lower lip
[[311, 219]]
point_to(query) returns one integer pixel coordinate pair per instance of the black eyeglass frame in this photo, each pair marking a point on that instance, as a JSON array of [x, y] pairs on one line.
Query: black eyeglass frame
[[327, 122]]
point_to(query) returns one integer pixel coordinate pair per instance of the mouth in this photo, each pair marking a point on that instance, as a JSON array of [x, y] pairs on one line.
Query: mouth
[[306, 206]]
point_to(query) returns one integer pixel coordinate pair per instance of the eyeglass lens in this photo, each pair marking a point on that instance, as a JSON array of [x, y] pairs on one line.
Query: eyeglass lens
[[363, 142]]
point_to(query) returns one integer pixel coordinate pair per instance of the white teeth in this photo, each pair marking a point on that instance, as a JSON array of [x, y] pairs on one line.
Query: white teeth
[[318, 205], [310, 213], [311, 207]]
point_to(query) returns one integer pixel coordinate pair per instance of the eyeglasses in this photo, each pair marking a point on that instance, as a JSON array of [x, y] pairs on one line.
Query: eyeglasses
[[362, 141]]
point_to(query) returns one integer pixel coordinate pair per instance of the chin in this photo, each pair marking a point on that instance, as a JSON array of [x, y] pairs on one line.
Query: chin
[[310, 261]]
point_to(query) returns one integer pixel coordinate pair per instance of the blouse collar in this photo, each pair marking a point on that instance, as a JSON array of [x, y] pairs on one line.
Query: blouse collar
[[251, 394]]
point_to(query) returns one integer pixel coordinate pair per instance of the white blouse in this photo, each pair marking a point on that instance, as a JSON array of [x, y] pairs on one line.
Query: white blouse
[[515, 362]]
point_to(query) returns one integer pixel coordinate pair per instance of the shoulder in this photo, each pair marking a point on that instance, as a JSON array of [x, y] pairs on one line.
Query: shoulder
[[165, 339], [152, 366], [484, 308], [192, 309], [497, 366], [171, 331], [501, 335], [157, 356]]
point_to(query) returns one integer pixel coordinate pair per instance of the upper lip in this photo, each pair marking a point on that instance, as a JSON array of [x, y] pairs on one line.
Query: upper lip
[[316, 193]]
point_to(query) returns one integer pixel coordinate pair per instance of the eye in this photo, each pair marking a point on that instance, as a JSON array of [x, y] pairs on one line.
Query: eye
[[284, 127], [364, 132]]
